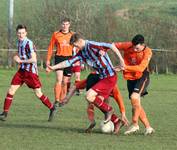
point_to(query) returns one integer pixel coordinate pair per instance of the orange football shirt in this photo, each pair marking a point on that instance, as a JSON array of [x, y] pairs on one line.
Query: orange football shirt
[[136, 62], [62, 43]]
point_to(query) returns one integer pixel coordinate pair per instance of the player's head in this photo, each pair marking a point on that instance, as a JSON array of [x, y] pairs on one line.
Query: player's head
[[138, 42], [65, 25], [21, 31], [77, 40]]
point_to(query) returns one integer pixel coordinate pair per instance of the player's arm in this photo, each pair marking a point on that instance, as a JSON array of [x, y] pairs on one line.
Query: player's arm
[[61, 65], [64, 64], [50, 49], [143, 65], [114, 49], [33, 59]]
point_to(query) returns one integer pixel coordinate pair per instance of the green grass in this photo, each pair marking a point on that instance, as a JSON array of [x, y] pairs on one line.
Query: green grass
[[27, 127]]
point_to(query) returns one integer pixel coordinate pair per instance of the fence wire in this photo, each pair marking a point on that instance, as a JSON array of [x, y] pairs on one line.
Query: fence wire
[[163, 61]]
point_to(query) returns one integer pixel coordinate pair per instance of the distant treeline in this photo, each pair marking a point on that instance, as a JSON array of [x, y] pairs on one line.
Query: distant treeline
[[100, 20]]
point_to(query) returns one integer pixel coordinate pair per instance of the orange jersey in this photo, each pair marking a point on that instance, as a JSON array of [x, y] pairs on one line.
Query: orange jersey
[[61, 41], [136, 62]]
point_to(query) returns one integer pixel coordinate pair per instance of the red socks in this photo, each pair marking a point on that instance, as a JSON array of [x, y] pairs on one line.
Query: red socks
[[102, 105], [8, 102], [114, 119], [90, 112], [45, 100], [68, 86]]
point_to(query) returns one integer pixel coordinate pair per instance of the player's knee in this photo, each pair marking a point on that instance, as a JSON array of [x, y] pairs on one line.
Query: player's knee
[[38, 93], [135, 96], [90, 97], [11, 91], [135, 101]]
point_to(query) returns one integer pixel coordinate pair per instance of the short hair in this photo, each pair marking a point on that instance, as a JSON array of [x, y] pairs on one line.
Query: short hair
[[66, 20], [138, 39], [75, 37], [21, 26]]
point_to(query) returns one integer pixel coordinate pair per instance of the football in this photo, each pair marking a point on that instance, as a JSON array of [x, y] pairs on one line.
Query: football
[[107, 127]]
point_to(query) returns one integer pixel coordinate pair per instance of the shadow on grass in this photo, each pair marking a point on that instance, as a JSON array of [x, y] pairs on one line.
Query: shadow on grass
[[47, 126]]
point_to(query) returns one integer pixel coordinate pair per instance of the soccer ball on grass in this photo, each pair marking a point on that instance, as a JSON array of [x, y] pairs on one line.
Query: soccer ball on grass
[[107, 127]]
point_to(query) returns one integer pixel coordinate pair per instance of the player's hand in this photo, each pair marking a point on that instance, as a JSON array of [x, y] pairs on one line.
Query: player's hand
[[47, 63], [118, 68], [49, 69], [124, 119], [17, 59]]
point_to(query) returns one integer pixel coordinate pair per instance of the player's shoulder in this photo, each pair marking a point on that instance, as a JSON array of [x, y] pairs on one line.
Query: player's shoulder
[[127, 44], [148, 49], [30, 44], [56, 32], [29, 40], [72, 32], [123, 45], [96, 43]]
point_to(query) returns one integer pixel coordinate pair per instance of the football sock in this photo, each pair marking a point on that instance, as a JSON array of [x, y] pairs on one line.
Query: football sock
[[136, 110], [143, 118], [8, 102], [57, 91], [114, 119], [45, 100], [90, 112], [68, 86], [102, 105]]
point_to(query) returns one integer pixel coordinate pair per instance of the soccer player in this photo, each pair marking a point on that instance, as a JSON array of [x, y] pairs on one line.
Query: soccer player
[[61, 39], [27, 73], [91, 80], [95, 55], [136, 56]]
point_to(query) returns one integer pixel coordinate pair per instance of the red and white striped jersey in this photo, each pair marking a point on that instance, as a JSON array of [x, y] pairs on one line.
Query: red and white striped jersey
[[25, 49]]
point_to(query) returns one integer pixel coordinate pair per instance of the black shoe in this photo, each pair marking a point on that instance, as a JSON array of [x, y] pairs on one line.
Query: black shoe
[[56, 104], [77, 92], [108, 116], [61, 104], [52, 113], [90, 128], [3, 116]]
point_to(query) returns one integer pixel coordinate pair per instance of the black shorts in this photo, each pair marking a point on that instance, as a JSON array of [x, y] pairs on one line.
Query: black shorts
[[66, 71], [139, 85], [92, 79]]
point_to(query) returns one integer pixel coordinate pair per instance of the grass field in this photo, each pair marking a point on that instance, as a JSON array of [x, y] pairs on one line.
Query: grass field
[[27, 127]]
